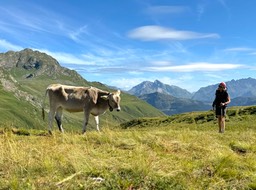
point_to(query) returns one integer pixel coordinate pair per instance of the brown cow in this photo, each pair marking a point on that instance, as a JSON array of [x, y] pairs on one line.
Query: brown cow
[[90, 100]]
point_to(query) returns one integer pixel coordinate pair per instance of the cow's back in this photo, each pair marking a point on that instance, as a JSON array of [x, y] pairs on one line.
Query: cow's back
[[56, 93], [71, 98]]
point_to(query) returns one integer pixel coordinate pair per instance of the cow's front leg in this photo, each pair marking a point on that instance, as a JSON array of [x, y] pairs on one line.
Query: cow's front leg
[[50, 120], [96, 118], [86, 119]]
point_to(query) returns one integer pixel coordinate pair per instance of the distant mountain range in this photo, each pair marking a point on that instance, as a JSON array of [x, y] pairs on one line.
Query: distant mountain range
[[148, 87], [242, 88], [173, 99]]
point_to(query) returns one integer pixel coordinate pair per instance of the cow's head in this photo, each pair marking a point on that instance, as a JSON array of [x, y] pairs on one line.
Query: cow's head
[[113, 100]]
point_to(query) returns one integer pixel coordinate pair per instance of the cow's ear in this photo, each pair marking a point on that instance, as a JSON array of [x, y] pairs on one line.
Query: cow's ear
[[93, 93], [105, 97]]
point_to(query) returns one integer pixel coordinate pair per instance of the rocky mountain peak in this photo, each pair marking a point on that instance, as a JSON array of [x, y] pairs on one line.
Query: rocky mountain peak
[[148, 87], [26, 59], [32, 63]]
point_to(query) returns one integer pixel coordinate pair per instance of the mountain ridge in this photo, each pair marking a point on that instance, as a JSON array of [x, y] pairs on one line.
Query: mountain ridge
[[244, 87], [242, 93], [148, 87], [34, 63]]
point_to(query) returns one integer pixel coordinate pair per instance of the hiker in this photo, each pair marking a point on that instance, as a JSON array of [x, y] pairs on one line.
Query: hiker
[[220, 104]]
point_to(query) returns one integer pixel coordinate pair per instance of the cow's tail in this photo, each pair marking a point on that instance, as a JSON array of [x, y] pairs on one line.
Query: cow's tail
[[46, 93]]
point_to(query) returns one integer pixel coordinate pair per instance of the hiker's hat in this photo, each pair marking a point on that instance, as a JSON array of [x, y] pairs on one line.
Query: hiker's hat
[[223, 85]]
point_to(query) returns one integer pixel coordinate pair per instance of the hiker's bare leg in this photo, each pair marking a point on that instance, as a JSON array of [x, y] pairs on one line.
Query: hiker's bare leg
[[222, 124], [219, 123]]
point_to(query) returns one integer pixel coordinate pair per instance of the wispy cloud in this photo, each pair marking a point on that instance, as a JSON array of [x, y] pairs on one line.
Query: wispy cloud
[[100, 61], [239, 49], [193, 67], [32, 20], [153, 33], [20, 19], [67, 58], [200, 11], [162, 10], [75, 35], [128, 83], [161, 63], [5, 45], [223, 3]]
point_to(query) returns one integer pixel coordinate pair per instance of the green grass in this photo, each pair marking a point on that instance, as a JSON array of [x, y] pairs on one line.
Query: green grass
[[164, 155]]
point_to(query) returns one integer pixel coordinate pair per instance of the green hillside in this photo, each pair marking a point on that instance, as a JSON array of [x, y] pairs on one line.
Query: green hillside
[[26, 74], [244, 114]]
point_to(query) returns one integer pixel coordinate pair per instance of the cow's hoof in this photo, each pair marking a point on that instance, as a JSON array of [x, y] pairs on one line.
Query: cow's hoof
[[50, 132]]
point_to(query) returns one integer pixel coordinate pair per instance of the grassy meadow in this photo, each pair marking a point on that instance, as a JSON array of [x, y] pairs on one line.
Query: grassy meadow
[[177, 152]]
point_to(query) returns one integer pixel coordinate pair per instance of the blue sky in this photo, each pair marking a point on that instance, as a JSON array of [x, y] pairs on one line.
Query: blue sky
[[188, 43]]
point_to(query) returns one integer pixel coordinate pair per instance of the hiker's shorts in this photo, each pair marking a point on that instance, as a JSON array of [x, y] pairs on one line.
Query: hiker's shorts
[[221, 111]]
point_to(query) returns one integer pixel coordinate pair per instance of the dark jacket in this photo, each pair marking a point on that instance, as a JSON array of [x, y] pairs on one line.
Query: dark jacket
[[220, 97]]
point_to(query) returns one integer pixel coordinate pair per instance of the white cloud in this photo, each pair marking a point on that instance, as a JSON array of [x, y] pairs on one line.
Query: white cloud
[[213, 76], [67, 58], [153, 32], [160, 63], [135, 73], [126, 83], [9, 46], [200, 66]]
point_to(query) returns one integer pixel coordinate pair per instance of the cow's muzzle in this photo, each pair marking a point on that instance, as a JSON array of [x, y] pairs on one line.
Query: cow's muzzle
[[117, 109]]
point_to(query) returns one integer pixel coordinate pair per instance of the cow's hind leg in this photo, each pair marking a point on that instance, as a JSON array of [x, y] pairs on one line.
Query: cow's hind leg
[[58, 118], [96, 118], [50, 120], [86, 119]]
